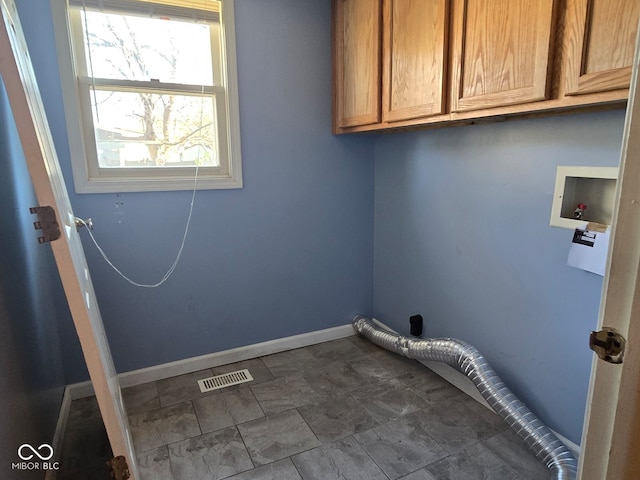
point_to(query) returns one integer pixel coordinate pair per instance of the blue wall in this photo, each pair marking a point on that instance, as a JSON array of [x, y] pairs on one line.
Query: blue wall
[[31, 305], [462, 237], [461, 226], [289, 253]]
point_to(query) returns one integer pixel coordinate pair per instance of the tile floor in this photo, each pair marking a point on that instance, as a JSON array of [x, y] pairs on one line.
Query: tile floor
[[85, 448], [344, 409]]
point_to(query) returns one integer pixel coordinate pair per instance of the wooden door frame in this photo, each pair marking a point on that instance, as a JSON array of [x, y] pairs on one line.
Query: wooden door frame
[[611, 435], [42, 161]]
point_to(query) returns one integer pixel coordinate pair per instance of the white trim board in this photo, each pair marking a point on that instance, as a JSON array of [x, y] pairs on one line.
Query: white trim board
[[189, 365], [462, 382], [575, 448], [450, 374], [61, 427], [193, 364]]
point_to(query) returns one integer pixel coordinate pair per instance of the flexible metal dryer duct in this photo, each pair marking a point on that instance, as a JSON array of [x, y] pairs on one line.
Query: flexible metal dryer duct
[[466, 359]]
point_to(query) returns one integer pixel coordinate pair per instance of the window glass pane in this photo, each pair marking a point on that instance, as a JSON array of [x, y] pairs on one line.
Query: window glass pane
[[128, 47], [152, 130]]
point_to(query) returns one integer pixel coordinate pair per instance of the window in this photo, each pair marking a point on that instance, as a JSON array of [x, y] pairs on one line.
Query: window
[[150, 93]]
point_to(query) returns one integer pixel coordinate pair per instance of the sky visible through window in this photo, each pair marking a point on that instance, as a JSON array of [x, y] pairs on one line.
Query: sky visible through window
[[136, 127]]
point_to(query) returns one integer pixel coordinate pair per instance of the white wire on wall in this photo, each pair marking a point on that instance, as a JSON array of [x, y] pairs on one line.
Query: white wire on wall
[[82, 222], [173, 266]]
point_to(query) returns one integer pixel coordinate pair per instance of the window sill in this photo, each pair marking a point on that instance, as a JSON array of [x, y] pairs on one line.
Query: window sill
[[155, 184]]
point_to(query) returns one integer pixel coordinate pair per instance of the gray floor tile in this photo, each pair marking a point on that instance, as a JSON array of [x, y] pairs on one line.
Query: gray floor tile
[[341, 349], [430, 386], [335, 378], [213, 455], [447, 393], [166, 425], [277, 436], [342, 460], [364, 344], [291, 362], [473, 463], [141, 398], [459, 423], [85, 449], [85, 411], [339, 388], [155, 465], [511, 449], [384, 365], [400, 447], [388, 399], [182, 388], [285, 393], [337, 419], [227, 409], [280, 470], [256, 367], [421, 474]]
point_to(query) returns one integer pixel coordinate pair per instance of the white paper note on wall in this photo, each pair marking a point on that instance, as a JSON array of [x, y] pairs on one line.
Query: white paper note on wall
[[588, 251]]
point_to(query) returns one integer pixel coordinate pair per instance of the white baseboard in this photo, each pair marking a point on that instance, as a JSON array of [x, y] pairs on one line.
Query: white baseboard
[[189, 365], [462, 382], [80, 390], [575, 448], [211, 360], [58, 435], [63, 416], [450, 374], [457, 379]]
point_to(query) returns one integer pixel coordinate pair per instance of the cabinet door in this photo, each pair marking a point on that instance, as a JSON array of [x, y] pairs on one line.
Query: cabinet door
[[601, 36], [501, 52], [357, 41], [414, 53]]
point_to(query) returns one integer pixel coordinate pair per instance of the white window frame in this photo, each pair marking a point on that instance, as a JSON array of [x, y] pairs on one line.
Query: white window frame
[[88, 177]]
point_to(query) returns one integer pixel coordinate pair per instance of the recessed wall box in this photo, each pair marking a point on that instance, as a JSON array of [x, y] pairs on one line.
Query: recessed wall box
[[593, 187]]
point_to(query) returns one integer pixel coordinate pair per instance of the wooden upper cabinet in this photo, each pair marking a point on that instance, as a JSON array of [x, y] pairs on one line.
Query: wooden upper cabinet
[[414, 58], [501, 52], [357, 40], [406, 63], [600, 42]]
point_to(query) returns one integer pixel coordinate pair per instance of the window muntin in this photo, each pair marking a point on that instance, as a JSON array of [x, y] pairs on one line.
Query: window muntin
[[153, 97], [132, 47], [121, 139]]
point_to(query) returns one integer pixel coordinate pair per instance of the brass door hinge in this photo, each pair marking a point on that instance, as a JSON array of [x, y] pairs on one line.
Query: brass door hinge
[[46, 222], [608, 344], [119, 468]]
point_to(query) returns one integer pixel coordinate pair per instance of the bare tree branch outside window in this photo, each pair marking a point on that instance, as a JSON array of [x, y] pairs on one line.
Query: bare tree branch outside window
[[148, 128]]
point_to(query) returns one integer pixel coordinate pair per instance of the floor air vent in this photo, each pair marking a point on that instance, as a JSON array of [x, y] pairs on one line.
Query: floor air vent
[[226, 380]]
